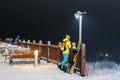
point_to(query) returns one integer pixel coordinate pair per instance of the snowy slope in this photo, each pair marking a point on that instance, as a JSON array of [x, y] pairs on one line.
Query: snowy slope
[[49, 71]]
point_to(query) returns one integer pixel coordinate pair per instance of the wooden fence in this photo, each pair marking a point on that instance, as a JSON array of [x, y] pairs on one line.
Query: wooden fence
[[52, 53]]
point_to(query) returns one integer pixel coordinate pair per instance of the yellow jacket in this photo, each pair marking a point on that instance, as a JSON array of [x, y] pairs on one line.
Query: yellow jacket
[[68, 46]]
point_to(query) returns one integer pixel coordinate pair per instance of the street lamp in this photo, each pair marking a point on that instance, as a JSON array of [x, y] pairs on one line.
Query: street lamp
[[79, 15]]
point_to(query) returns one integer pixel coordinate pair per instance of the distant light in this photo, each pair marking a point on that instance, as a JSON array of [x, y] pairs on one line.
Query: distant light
[[106, 55]]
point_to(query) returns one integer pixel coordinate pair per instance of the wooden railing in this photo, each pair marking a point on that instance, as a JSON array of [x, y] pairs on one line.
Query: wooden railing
[[52, 53]]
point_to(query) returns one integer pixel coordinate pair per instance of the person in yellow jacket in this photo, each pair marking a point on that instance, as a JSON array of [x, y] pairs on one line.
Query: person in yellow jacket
[[66, 46]]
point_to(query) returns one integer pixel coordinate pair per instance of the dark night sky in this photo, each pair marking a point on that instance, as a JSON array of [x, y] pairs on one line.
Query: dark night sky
[[52, 19]]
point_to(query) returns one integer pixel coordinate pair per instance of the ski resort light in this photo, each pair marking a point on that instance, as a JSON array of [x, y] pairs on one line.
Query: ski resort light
[[79, 15], [106, 55]]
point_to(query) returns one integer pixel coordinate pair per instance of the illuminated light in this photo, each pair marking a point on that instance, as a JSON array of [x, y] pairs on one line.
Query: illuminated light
[[76, 16], [106, 55], [79, 15]]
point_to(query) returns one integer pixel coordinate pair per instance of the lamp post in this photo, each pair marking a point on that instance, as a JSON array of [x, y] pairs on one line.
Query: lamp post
[[79, 15]]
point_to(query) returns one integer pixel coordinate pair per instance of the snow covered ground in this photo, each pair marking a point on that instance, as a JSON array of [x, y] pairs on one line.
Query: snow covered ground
[[49, 71]]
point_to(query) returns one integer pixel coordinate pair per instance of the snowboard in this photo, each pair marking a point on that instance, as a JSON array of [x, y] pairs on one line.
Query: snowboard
[[76, 53]]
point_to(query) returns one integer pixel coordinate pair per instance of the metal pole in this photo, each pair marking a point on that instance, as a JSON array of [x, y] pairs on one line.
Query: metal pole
[[80, 28], [79, 15]]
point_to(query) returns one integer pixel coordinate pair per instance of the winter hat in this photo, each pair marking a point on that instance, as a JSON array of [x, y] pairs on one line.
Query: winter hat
[[67, 36]]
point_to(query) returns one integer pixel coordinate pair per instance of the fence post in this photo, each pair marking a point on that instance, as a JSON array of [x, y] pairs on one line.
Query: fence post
[[24, 41], [73, 45], [28, 41], [40, 42], [49, 43], [34, 41], [82, 60], [36, 58]]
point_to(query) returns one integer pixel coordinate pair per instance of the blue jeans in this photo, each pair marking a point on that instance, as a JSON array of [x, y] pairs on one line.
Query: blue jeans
[[65, 59]]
